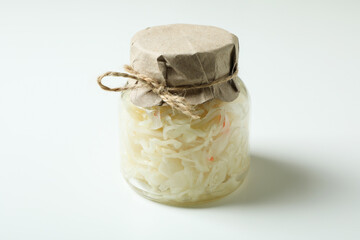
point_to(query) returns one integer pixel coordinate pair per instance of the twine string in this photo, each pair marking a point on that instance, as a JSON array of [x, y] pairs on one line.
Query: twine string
[[160, 89]]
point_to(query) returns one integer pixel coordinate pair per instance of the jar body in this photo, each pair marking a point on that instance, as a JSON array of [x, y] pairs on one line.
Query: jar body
[[170, 158]]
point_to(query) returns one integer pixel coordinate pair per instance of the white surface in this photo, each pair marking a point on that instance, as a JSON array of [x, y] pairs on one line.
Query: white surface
[[59, 157]]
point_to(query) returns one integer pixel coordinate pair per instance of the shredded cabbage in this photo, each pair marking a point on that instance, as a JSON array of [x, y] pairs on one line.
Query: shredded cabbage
[[171, 158]]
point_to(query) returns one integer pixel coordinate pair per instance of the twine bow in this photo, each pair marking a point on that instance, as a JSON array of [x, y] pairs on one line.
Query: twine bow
[[165, 93]]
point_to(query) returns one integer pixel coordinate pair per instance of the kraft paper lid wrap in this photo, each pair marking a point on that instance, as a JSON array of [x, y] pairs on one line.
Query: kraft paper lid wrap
[[185, 55]]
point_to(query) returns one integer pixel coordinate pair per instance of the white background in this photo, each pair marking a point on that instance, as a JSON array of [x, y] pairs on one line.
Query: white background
[[59, 151]]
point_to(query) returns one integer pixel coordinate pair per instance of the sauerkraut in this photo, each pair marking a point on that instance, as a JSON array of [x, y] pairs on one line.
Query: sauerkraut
[[171, 158]]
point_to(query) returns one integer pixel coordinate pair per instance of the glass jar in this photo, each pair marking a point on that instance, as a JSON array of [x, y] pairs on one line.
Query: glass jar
[[170, 158]]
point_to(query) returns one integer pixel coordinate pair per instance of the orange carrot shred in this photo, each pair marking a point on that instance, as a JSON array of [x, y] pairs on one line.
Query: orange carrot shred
[[211, 159]]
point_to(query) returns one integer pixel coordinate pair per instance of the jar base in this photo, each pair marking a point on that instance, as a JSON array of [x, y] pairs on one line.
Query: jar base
[[204, 200]]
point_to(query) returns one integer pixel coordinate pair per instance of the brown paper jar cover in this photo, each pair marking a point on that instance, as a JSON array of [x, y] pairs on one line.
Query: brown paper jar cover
[[185, 55]]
